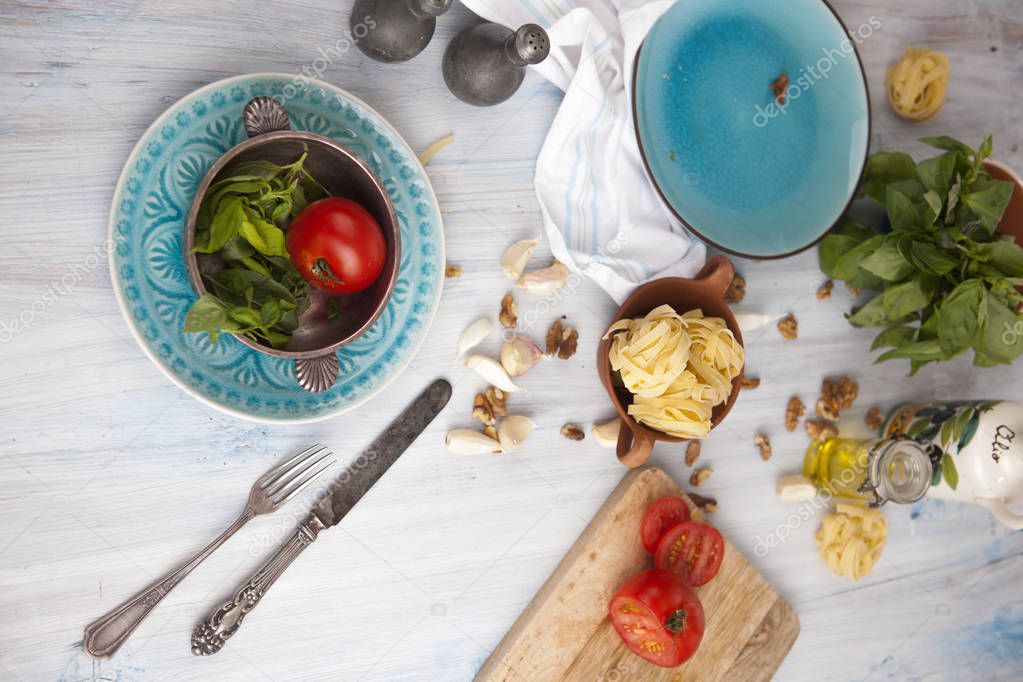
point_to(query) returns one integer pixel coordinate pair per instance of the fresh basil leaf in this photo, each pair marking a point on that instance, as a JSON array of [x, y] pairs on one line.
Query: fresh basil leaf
[[265, 237], [934, 203], [333, 309], [948, 144], [927, 351], [848, 264], [989, 204], [871, 314], [902, 214], [931, 259], [998, 340], [984, 151], [207, 314], [275, 339], [883, 169], [959, 316], [887, 263], [907, 298], [270, 313], [225, 225], [851, 234], [244, 316], [893, 336], [236, 249], [1006, 255], [938, 174]]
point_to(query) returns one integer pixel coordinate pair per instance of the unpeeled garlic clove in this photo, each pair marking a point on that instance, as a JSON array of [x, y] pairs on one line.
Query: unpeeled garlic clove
[[606, 434], [473, 335], [795, 488], [492, 372], [513, 430], [514, 260], [519, 355], [469, 442], [548, 280]]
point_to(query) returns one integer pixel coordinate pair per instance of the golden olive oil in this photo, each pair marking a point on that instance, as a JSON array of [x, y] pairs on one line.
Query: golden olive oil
[[875, 470]]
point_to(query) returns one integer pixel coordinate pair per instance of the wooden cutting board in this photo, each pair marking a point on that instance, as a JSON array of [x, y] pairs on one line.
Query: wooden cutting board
[[564, 633]]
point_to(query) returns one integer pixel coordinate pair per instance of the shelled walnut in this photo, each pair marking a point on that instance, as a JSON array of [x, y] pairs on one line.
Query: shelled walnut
[[700, 476], [793, 412], [819, 429], [572, 432], [692, 452], [789, 327], [736, 290], [509, 315], [763, 444], [749, 383], [874, 419], [824, 293]]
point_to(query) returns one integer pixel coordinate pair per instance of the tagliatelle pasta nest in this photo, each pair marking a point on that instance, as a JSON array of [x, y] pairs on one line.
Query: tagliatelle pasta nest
[[851, 540], [678, 367], [918, 83]]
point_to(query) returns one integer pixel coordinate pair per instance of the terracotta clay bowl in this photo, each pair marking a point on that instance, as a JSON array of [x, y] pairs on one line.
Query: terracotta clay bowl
[[706, 291]]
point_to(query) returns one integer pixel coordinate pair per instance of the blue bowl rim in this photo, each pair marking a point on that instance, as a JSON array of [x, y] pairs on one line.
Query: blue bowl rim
[[690, 227]]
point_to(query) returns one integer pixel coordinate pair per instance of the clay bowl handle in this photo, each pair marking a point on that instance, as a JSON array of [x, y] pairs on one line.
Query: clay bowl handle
[[717, 274], [634, 446]]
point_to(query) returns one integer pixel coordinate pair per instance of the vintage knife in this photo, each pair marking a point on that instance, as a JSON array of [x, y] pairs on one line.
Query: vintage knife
[[210, 635]]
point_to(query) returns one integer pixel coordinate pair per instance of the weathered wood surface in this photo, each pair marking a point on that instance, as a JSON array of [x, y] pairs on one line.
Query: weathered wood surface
[[110, 475]]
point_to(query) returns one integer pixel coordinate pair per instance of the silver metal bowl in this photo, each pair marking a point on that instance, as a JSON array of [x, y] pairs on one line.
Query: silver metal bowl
[[343, 173]]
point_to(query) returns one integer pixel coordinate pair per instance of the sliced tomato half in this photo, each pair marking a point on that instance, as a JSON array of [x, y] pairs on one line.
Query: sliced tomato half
[[691, 550], [659, 517]]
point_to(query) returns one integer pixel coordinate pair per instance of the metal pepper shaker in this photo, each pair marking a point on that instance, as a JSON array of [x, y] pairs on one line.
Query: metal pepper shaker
[[395, 30], [485, 64]]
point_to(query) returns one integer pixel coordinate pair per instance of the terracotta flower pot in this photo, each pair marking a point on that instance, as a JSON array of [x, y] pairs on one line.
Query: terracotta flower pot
[[1012, 221]]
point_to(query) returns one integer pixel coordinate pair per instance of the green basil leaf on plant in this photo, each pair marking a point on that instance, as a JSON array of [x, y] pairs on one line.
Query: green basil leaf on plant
[[902, 214], [924, 351], [998, 341], [887, 263], [885, 168], [931, 259], [265, 237], [848, 264], [959, 316], [894, 336], [934, 203], [989, 204], [938, 173], [948, 144], [871, 314], [207, 314], [907, 298], [244, 316], [1006, 255]]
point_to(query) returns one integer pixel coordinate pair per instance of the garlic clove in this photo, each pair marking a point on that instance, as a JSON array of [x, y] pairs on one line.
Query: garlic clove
[[514, 260], [519, 355], [473, 336], [492, 372], [549, 280], [795, 488], [513, 430], [752, 321], [470, 442], [606, 434]]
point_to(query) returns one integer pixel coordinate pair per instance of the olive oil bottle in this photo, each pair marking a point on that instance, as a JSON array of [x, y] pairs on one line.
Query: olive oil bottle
[[878, 470]]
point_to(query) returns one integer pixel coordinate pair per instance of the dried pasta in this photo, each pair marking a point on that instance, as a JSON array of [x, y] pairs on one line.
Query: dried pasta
[[678, 367], [918, 83], [851, 539]]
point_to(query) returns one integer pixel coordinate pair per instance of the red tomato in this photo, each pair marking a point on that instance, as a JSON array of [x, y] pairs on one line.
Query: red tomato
[[692, 551], [337, 245], [659, 517], [658, 617]]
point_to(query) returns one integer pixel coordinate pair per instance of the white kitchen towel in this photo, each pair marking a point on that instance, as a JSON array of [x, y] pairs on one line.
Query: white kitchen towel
[[602, 215]]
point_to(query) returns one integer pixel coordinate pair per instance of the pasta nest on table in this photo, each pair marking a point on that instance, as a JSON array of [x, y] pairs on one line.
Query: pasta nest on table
[[918, 83]]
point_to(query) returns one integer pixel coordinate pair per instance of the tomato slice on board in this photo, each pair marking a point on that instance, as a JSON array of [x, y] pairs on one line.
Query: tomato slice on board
[[658, 617], [659, 517], [692, 551]]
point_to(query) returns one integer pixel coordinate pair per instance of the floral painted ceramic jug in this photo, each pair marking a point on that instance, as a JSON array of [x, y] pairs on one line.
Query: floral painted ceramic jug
[[977, 451]]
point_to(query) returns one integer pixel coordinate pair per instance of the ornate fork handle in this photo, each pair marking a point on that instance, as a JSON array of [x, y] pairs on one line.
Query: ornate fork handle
[[105, 635], [209, 636]]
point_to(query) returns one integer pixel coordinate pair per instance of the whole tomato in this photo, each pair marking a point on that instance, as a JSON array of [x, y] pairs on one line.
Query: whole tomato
[[337, 245], [658, 617]]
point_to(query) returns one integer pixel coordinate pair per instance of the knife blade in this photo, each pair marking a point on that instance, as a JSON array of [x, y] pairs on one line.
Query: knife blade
[[350, 486]]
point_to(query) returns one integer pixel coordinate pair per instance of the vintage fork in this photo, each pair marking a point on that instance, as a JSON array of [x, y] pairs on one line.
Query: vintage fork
[[269, 492]]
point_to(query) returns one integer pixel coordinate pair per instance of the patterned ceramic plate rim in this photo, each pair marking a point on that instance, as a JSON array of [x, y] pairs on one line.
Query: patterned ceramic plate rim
[[129, 164]]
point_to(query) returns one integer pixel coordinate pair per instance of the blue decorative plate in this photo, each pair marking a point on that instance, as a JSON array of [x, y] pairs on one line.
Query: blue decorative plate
[[147, 223], [748, 174]]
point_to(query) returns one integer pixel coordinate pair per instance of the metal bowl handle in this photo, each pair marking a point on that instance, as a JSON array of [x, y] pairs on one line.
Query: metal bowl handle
[[264, 115], [317, 374]]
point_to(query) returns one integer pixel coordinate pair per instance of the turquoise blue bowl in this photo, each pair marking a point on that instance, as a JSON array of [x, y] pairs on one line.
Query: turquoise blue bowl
[[748, 174], [147, 227]]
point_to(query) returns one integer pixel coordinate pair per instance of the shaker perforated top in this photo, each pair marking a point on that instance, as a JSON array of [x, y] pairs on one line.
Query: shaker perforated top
[[532, 43]]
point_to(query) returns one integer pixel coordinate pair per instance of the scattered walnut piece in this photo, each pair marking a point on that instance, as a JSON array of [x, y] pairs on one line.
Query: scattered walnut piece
[[700, 476], [736, 290], [497, 399], [482, 410], [763, 444], [793, 412], [692, 452], [568, 344], [824, 293], [509, 316], [836, 395], [700, 501], [819, 429], [749, 383], [554, 336], [874, 419], [572, 432], [490, 432], [452, 270], [789, 327], [855, 292]]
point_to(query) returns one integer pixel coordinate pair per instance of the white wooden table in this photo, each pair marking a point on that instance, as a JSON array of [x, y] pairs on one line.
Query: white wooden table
[[110, 475]]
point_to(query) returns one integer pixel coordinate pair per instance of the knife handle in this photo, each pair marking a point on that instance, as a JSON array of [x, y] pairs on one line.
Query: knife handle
[[209, 636]]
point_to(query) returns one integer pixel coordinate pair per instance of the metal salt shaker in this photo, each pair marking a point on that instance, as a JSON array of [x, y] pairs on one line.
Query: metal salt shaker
[[395, 30], [485, 64]]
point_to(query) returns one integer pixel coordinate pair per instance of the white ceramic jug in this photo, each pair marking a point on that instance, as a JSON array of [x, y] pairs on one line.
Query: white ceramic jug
[[978, 453]]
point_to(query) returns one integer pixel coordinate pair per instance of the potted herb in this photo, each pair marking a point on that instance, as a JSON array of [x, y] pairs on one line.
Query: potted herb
[[946, 280]]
